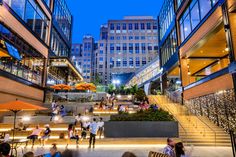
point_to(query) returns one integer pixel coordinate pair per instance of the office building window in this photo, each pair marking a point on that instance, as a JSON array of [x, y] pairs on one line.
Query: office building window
[[143, 45], [137, 48], [131, 48], [117, 37], [149, 46], [137, 62], [101, 52], [111, 37], [148, 26], [118, 26], [118, 62], [124, 37], [131, 62], [112, 27], [124, 26], [118, 47], [142, 26], [136, 37], [112, 62], [101, 44], [130, 26], [143, 38], [136, 26], [124, 47], [100, 66], [112, 48], [100, 59], [144, 61], [131, 38], [124, 62]]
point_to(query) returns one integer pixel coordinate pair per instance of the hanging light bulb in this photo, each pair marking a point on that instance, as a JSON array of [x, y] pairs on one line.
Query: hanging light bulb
[[226, 49]]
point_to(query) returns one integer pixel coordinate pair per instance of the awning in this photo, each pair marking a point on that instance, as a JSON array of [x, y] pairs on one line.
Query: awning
[[64, 62], [8, 50]]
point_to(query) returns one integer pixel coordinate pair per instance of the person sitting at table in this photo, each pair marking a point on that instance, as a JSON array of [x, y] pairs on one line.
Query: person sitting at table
[[62, 111], [46, 134], [5, 149], [34, 135]]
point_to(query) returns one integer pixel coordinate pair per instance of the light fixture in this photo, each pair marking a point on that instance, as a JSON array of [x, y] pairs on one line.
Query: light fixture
[[26, 119], [226, 49], [189, 73]]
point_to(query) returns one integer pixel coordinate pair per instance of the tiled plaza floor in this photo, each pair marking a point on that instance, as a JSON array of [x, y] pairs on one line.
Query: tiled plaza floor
[[140, 151]]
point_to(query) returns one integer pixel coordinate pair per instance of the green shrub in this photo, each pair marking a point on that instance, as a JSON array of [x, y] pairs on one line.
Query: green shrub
[[148, 115]]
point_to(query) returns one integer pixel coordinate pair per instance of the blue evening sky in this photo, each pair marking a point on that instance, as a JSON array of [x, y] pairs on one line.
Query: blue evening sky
[[89, 15]]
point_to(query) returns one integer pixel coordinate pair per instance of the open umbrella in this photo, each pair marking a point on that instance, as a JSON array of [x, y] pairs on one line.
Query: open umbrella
[[61, 87], [17, 106], [85, 86]]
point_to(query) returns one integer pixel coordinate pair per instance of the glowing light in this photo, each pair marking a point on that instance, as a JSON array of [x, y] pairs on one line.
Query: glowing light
[[85, 118], [26, 118], [226, 49], [189, 73], [118, 96], [129, 96]]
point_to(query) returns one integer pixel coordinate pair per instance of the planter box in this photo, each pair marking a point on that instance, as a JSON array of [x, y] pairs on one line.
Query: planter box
[[119, 129]]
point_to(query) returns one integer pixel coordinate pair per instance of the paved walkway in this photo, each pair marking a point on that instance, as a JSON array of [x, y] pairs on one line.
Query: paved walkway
[[142, 151]]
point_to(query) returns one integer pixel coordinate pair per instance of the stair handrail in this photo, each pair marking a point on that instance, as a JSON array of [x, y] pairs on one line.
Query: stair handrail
[[181, 99], [167, 109]]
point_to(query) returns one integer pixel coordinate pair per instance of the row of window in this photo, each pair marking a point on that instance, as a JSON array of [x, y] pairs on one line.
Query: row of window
[[133, 38], [169, 47], [137, 47], [34, 17], [63, 17], [196, 11], [166, 16], [133, 26], [125, 63], [58, 46]]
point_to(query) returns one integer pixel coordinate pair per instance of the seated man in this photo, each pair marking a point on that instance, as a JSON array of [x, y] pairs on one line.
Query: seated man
[[46, 134], [34, 135]]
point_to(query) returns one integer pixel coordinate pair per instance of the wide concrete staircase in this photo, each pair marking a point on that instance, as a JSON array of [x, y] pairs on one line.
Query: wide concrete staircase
[[193, 130]]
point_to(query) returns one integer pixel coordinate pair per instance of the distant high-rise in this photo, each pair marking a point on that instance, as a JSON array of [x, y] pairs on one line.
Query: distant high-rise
[[124, 46]]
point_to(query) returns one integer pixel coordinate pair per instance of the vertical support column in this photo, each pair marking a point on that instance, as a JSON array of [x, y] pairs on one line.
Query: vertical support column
[[229, 39], [163, 83]]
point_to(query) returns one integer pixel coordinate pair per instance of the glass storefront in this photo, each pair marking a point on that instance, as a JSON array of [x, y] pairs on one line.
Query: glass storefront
[[34, 17], [29, 65], [193, 15]]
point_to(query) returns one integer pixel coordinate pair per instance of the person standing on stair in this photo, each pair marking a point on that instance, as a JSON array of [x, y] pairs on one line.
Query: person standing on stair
[[93, 132], [169, 149]]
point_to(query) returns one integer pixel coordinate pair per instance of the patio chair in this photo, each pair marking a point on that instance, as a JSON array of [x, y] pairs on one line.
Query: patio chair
[[157, 154]]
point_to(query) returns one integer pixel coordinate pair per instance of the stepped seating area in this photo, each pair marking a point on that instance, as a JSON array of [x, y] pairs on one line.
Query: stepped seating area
[[193, 130], [58, 129]]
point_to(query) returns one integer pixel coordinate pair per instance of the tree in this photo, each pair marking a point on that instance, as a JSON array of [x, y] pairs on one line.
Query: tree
[[111, 88], [97, 79], [140, 95], [134, 89]]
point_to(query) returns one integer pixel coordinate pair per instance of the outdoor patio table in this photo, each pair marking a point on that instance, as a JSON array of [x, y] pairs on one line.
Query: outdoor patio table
[[17, 143]]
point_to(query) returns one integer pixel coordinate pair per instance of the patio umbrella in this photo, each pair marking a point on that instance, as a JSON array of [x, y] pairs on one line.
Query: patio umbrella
[[85, 86], [17, 106], [61, 87]]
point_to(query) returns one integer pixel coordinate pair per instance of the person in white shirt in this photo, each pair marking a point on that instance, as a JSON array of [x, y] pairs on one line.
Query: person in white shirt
[[34, 135], [100, 127], [93, 132], [86, 125], [78, 119]]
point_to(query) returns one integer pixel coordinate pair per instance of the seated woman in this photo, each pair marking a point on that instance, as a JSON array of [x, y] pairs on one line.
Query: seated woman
[[34, 135], [46, 134], [72, 134], [62, 111]]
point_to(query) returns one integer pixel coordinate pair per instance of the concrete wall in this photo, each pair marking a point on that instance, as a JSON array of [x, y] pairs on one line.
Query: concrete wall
[[140, 129]]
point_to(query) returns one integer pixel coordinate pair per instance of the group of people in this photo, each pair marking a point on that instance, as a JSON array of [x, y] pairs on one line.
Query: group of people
[[57, 110], [94, 128], [175, 149]]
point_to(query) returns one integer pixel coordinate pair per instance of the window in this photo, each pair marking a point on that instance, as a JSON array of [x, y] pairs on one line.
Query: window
[[34, 17], [136, 26], [118, 47], [111, 37], [136, 38], [112, 62], [100, 59], [144, 61], [131, 62], [142, 37], [195, 12], [149, 46], [124, 47], [124, 26], [148, 26], [118, 62], [112, 27], [117, 37], [131, 48], [137, 48], [124, 37], [142, 26], [112, 48], [101, 44], [118, 26], [124, 62], [137, 62], [101, 52], [131, 38], [143, 45], [130, 26]]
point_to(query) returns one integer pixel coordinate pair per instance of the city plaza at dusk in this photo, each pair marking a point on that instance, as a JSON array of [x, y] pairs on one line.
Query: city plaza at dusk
[[100, 78]]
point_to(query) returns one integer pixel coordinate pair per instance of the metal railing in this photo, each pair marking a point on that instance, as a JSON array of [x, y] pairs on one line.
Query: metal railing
[[186, 110]]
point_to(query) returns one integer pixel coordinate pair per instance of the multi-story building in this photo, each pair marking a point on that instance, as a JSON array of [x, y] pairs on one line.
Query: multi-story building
[[198, 46], [76, 56], [126, 45], [29, 31]]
